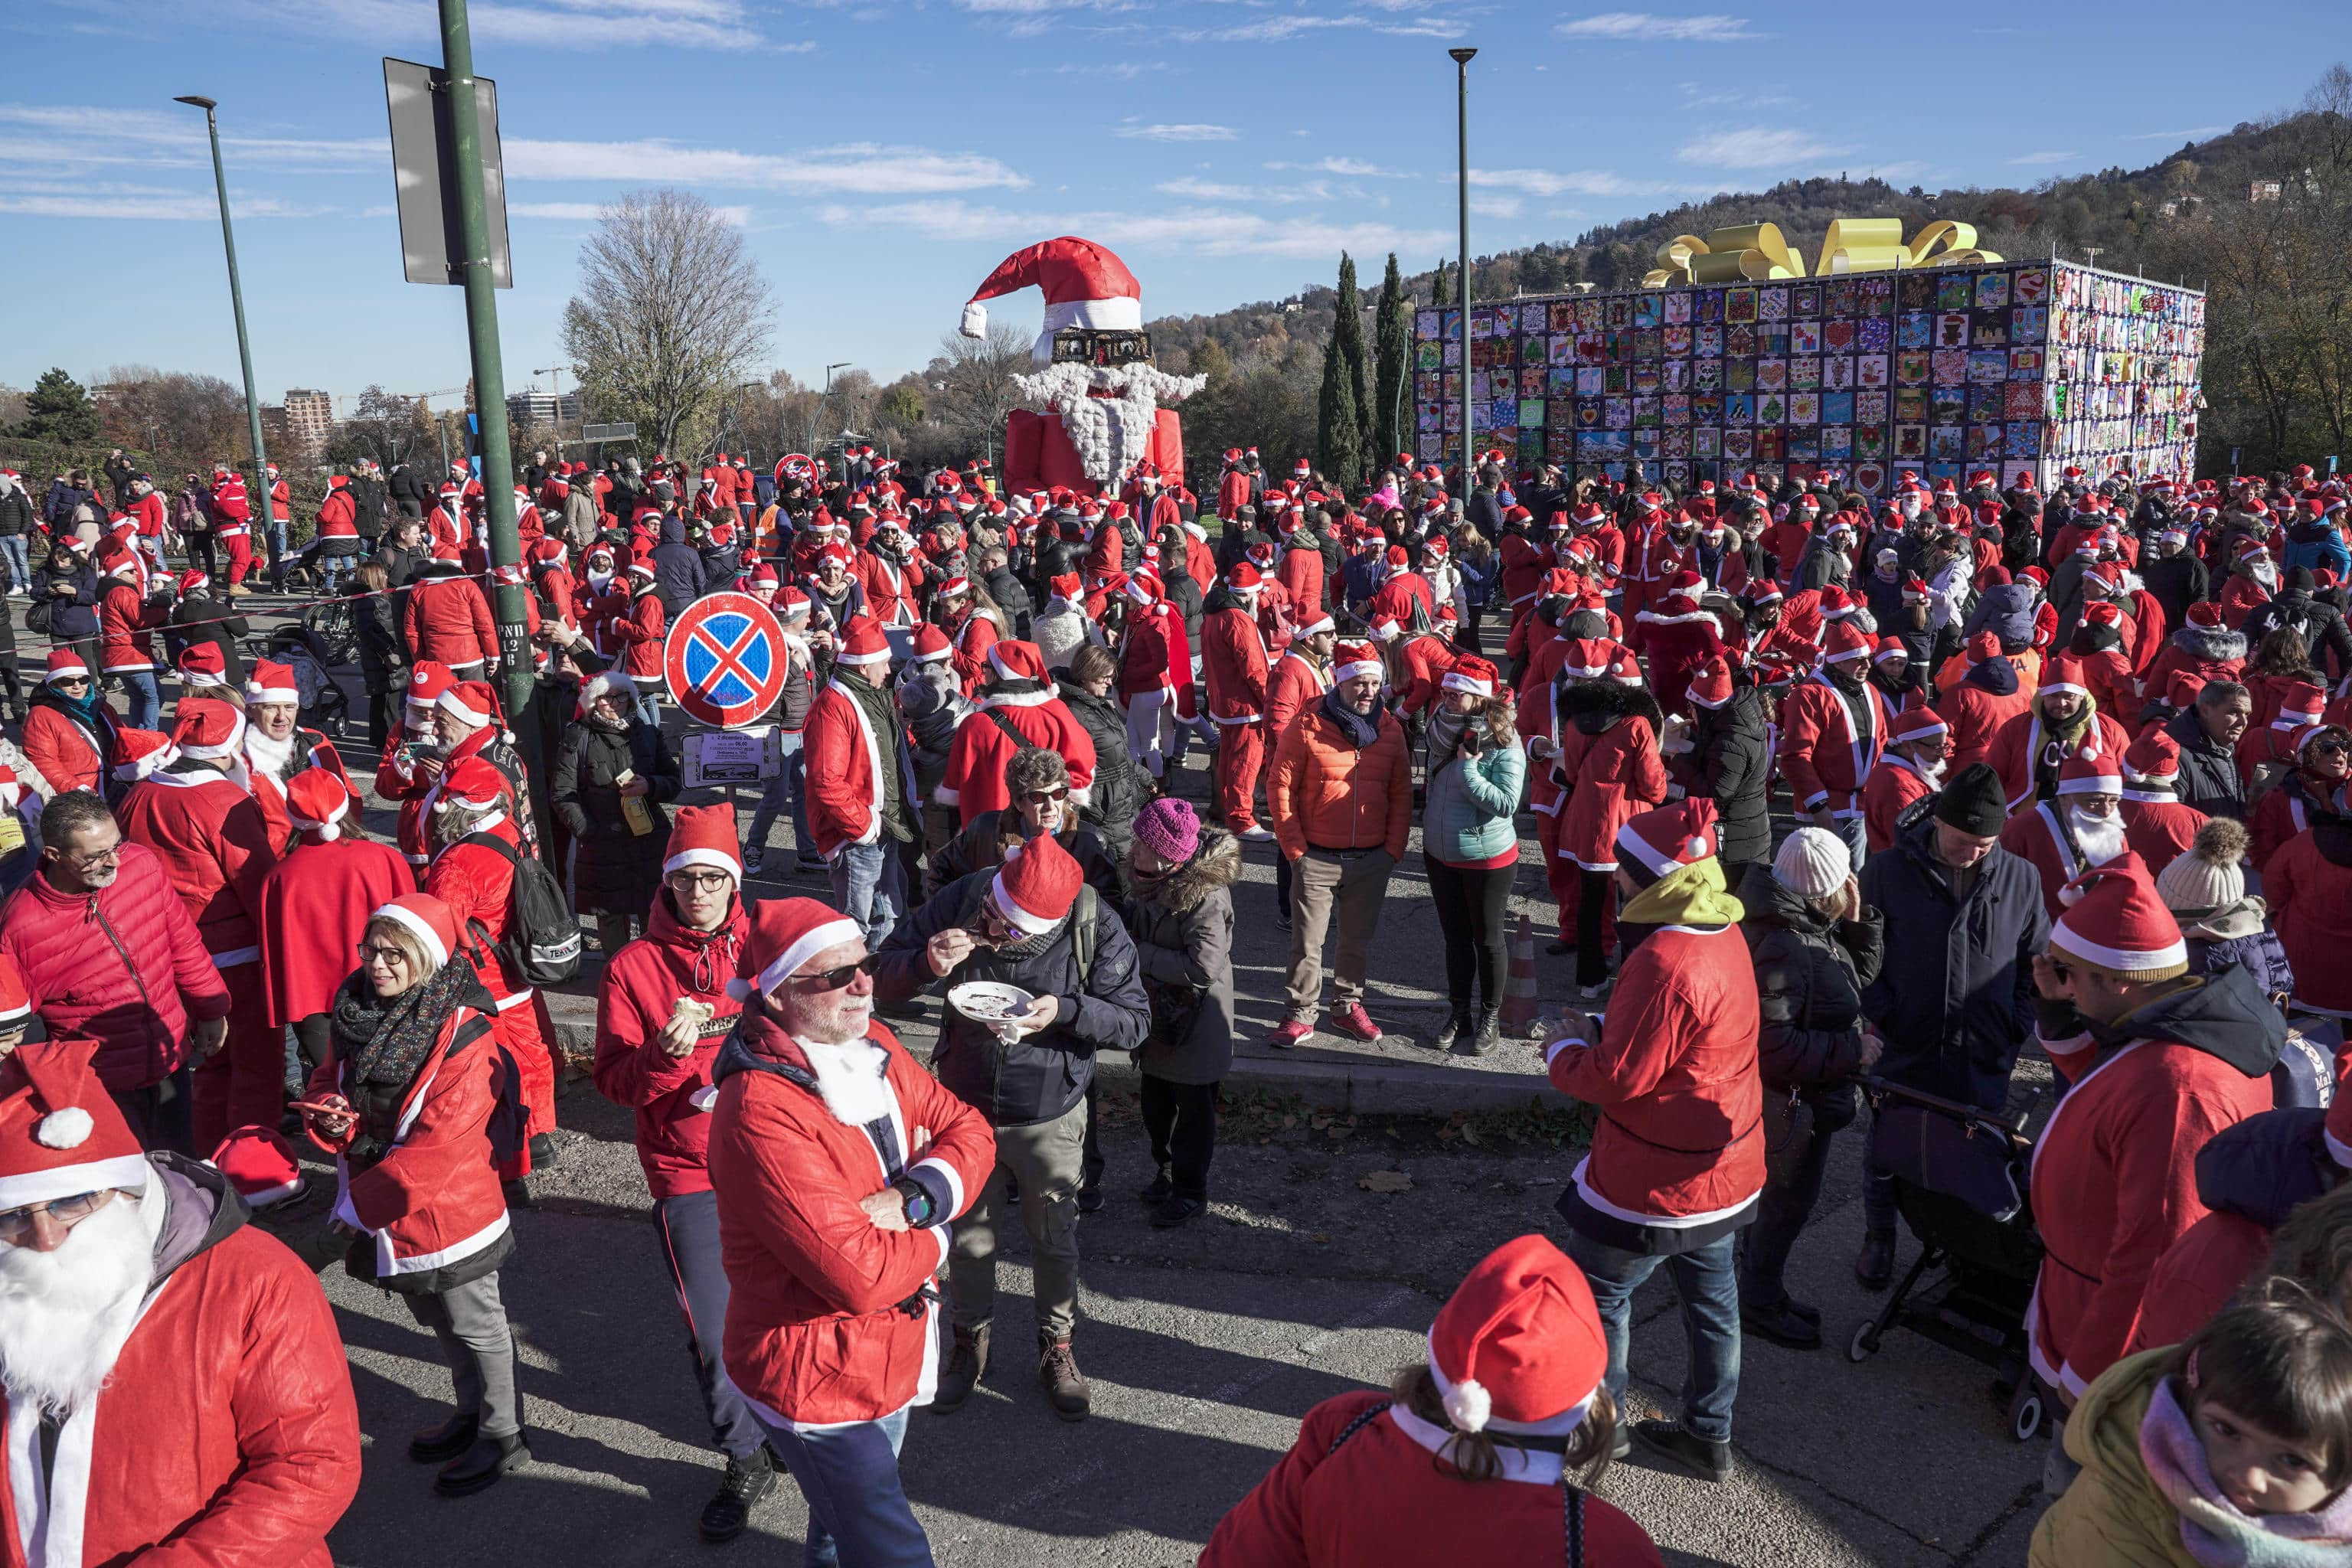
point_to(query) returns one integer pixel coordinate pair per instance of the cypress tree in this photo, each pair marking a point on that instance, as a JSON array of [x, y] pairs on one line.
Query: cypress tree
[[1391, 412], [1339, 424]]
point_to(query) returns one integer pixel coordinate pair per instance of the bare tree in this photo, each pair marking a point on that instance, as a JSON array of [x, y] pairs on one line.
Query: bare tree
[[671, 316], [969, 382], [384, 427]]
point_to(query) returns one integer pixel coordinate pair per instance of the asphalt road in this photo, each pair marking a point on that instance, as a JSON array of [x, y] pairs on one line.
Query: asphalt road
[[1205, 1345]]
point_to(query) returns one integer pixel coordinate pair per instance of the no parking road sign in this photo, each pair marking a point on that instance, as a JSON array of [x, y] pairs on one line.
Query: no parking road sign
[[724, 660]]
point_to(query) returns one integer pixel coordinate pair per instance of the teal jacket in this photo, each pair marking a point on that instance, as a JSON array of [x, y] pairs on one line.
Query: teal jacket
[[1471, 800]]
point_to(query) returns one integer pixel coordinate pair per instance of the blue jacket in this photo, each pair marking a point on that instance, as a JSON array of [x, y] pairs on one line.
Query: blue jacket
[[2316, 545], [1467, 818], [2264, 1167], [2007, 608], [677, 569]]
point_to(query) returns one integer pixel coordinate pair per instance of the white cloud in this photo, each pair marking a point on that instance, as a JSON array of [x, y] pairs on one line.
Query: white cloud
[[1212, 231], [2190, 135], [142, 204], [1545, 182], [85, 136], [1756, 147], [545, 23], [1426, 27], [1495, 207], [589, 211], [1273, 29], [2029, 160], [1352, 168], [862, 167], [805, 47], [1177, 133], [1200, 190], [1644, 27]]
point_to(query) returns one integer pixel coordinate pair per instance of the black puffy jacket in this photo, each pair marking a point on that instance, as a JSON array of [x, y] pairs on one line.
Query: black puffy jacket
[[614, 871], [1809, 971], [2321, 624], [1038, 1078], [1121, 787], [1731, 757]]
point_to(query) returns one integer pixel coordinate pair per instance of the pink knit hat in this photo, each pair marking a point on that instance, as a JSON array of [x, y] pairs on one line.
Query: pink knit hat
[[1170, 828]]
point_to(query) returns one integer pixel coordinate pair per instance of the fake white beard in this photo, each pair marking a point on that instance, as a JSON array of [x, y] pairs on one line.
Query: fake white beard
[[1111, 434], [1932, 773], [850, 1078], [64, 1315], [2100, 838], [267, 756]]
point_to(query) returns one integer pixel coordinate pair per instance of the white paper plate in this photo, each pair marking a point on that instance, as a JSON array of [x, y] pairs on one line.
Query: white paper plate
[[989, 1002]]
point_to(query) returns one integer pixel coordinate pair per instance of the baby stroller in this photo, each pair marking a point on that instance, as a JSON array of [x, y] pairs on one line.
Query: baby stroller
[[304, 651], [1960, 1184]]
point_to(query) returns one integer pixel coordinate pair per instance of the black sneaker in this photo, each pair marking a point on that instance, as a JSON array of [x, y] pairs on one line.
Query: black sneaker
[[1874, 1265], [1707, 1460], [727, 1515], [1781, 1323], [480, 1466], [542, 1151], [1091, 1199], [1160, 1189], [1177, 1211]]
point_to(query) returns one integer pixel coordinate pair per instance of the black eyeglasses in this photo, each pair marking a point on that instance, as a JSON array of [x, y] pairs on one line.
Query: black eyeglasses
[[835, 979], [371, 952]]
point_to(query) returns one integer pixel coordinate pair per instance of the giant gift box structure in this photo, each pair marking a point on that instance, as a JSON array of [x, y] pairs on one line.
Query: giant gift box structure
[[1729, 360]]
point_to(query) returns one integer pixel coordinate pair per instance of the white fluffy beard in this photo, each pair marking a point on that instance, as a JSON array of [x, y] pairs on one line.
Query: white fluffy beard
[[2101, 838], [1113, 433], [266, 756], [1931, 773], [850, 1078], [64, 1315]]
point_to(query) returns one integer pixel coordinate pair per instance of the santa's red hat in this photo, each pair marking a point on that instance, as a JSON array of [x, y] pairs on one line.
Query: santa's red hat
[[60, 1135], [1474, 674], [1243, 578], [2115, 921], [1682, 592], [259, 1164], [1036, 884], [475, 783], [1711, 688], [790, 604], [208, 729], [1518, 1347], [317, 801], [272, 683], [1672, 836], [863, 643], [785, 935], [471, 702], [1015, 660], [65, 663], [2064, 673], [137, 753], [1320, 624], [2153, 759], [703, 836], [2302, 705], [930, 645], [1084, 284], [1844, 641], [2089, 771], [428, 679], [1350, 659], [1915, 723], [433, 924]]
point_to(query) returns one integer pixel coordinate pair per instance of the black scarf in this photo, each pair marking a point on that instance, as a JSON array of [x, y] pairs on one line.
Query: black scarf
[[1357, 730], [387, 1042]]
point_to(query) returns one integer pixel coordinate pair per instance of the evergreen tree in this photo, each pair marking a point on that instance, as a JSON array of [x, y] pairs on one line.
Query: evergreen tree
[[1339, 424], [1441, 292], [60, 409], [1348, 339], [1392, 415]]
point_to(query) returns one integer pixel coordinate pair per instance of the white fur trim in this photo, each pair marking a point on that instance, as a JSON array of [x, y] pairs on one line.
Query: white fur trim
[[1361, 666], [417, 927], [127, 1171], [457, 707], [717, 860], [1448, 1390], [880, 655], [782, 967], [2097, 784], [69, 1128], [1457, 681], [257, 692], [1022, 920], [1468, 1404], [2115, 958]]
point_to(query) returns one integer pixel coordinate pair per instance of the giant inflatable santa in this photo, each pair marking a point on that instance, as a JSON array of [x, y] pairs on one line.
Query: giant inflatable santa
[[1099, 404]]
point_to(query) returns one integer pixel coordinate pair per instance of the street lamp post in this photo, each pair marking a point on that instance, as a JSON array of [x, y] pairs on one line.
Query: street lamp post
[[1462, 58], [557, 372], [260, 498], [816, 418]]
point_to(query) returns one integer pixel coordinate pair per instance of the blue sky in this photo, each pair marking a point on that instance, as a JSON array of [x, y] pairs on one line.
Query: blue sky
[[882, 157]]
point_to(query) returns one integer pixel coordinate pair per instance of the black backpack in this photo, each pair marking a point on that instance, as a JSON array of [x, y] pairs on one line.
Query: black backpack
[[542, 940]]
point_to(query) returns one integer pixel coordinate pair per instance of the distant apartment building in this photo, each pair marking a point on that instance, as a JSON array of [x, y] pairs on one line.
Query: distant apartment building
[[310, 420], [276, 434], [528, 410]]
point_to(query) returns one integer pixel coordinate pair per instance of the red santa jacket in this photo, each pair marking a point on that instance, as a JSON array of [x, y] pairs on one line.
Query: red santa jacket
[[1233, 493], [237, 1358], [1234, 664], [215, 846], [2308, 885], [637, 636], [845, 771], [1611, 775], [2160, 831], [448, 620], [2113, 1185], [232, 508], [1674, 1077], [1886, 794], [1524, 564], [1295, 682], [478, 884], [338, 515], [815, 1327], [1824, 755], [150, 513], [974, 779], [1301, 576], [1382, 1498], [672, 1096], [434, 1201], [894, 591], [126, 619], [1420, 666], [313, 911], [2020, 741], [1156, 658], [1396, 598], [1678, 645], [2196, 1277], [1976, 714], [979, 633]]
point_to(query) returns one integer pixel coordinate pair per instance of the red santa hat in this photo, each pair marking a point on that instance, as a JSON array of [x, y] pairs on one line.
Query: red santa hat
[[1625, 668], [432, 922], [1682, 592], [863, 643], [790, 604], [1243, 578], [1350, 659], [2090, 772], [1518, 1347], [427, 681], [785, 935], [475, 783], [61, 1134], [2206, 615], [703, 836], [1847, 641], [2302, 705], [1889, 647], [2116, 923], [1035, 886], [1589, 658], [208, 729], [1671, 836], [317, 801], [137, 753], [203, 664], [193, 581], [2153, 759], [272, 683], [65, 663], [1017, 660], [1084, 284], [1067, 589], [2182, 689], [1472, 674], [930, 645], [1711, 687], [1915, 723], [1142, 587], [471, 702], [259, 1164], [609, 683]]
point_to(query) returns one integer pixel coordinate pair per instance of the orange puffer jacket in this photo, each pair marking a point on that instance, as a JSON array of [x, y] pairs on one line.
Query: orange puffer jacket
[[1325, 794]]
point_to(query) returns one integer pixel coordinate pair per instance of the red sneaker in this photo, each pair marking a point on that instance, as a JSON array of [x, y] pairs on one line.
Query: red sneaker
[[1353, 1022], [1291, 1031]]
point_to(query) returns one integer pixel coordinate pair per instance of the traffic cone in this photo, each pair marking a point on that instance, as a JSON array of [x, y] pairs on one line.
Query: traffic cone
[[1519, 984]]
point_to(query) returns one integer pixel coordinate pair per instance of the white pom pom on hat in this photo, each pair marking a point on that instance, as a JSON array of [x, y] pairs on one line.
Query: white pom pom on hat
[[66, 1128], [1518, 1347], [1468, 1406]]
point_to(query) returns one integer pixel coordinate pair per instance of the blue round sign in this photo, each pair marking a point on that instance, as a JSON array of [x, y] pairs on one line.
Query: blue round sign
[[724, 660]]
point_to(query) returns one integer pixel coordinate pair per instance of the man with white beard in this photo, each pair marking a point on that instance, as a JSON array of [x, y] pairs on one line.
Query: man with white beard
[[175, 1385], [1911, 768], [2080, 827]]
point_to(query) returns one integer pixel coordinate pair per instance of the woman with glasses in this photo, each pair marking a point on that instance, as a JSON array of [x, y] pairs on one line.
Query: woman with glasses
[[404, 1103], [2303, 793], [69, 728], [613, 772]]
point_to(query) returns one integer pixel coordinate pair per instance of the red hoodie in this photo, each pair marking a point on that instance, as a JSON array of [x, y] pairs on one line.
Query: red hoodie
[[642, 987]]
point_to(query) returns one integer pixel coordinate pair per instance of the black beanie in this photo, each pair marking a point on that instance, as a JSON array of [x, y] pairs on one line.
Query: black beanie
[[1974, 801]]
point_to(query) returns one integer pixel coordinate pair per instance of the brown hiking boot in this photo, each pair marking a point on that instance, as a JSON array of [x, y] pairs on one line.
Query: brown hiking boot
[[1066, 1387], [962, 1374]]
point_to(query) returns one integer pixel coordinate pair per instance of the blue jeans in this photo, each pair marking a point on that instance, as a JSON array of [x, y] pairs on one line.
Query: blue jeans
[[869, 886], [787, 790], [858, 1511], [1708, 1285], [20, 574], [144, 697]]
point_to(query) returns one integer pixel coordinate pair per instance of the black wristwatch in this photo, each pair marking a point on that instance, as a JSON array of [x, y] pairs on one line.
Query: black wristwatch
[[920, 1207]]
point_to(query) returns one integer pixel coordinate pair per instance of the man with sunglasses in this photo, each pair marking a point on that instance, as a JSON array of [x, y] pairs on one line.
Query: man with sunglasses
[[135, 1425], [2308, 883], [1033, 924]]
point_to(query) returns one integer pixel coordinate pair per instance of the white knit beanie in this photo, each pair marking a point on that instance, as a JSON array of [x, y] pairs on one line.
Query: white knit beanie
[[2208, 875], [1812, 863]]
